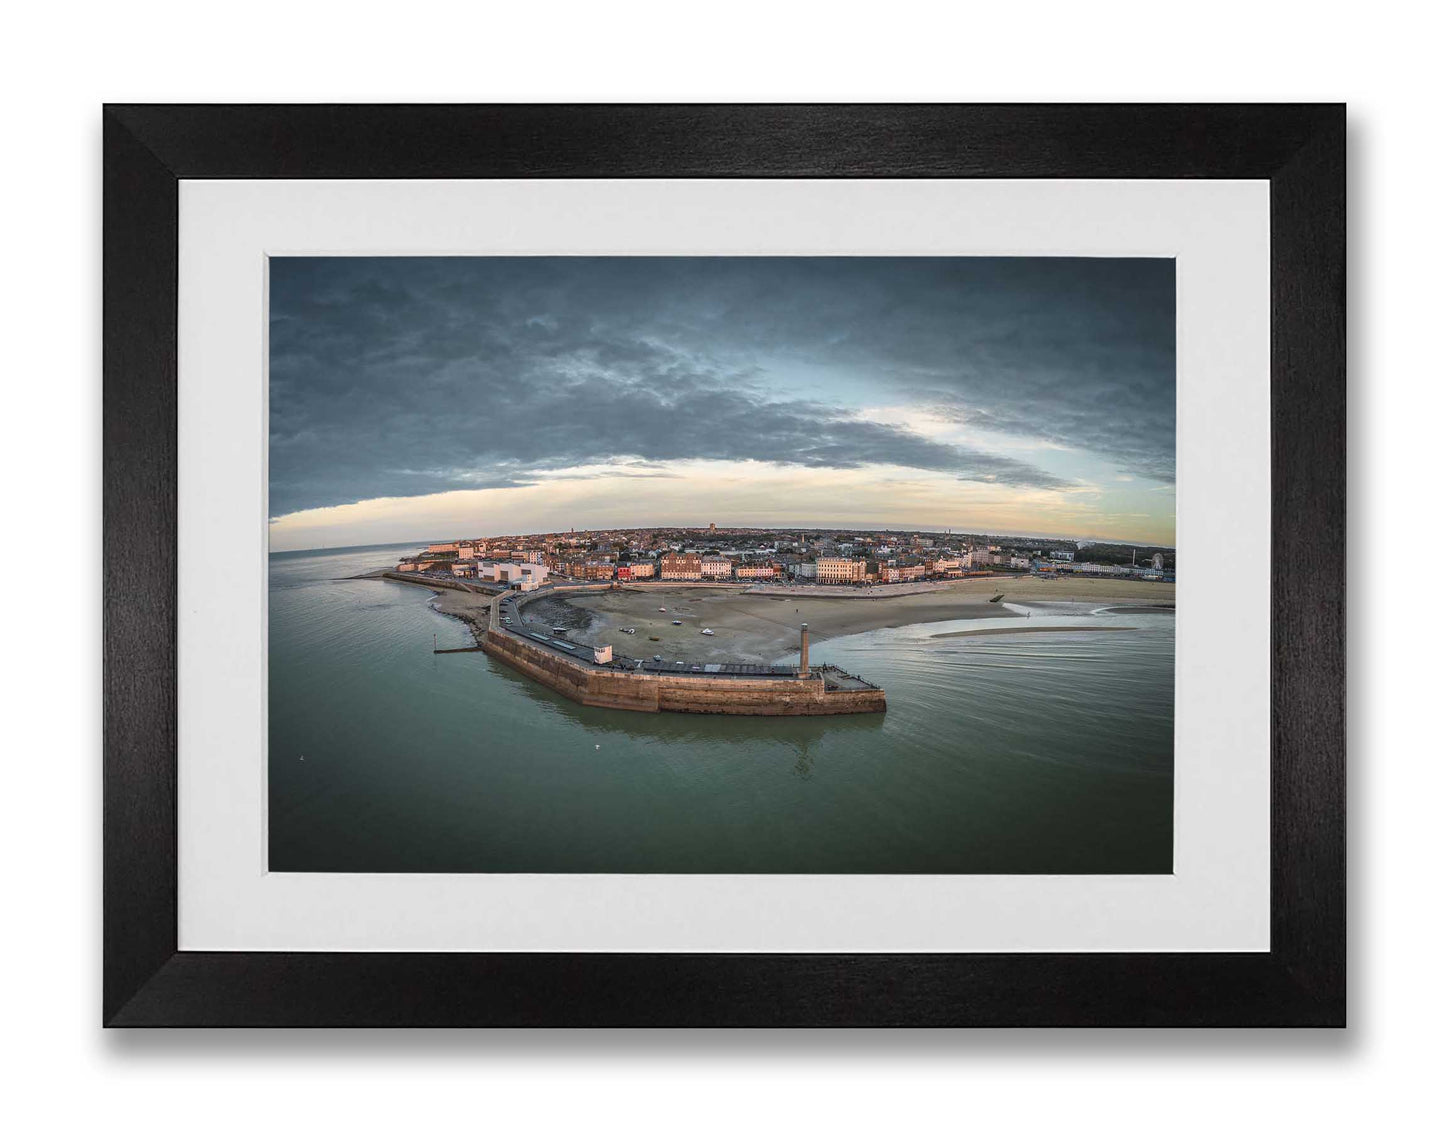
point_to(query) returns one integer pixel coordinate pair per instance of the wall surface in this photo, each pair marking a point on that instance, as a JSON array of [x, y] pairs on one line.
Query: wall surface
[[647, 692]]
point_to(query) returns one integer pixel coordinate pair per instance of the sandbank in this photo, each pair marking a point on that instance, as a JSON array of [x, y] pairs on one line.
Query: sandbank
[[764, 628]]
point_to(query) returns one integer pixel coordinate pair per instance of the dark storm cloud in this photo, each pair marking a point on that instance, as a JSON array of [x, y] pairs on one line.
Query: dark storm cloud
[[400, 377]]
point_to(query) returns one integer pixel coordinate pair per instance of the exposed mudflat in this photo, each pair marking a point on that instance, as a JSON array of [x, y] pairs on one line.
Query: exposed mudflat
[[764, 628]]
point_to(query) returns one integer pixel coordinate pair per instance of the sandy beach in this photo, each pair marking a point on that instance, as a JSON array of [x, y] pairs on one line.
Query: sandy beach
[[470, 607], [764, 628]]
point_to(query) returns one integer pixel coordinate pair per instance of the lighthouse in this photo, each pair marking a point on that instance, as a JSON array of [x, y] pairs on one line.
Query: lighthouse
[[803, 662]]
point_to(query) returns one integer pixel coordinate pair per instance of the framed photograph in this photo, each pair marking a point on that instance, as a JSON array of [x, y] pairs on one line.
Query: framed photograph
[[724, 565]]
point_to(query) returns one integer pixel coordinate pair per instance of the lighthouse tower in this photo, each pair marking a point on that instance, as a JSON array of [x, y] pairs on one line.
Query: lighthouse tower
[[803, 661]]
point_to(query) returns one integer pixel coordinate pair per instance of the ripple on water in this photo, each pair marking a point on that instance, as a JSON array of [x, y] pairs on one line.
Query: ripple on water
[[1015, 753]]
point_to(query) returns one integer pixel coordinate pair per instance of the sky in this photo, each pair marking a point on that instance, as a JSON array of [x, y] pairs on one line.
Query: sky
[[430, 398]]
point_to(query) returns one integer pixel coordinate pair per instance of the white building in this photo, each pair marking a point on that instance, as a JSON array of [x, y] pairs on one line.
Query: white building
[[527, 576], [838, 569], [535, 573], [1101, 569]]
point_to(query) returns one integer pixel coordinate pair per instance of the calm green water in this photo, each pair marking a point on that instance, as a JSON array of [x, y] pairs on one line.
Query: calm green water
[[1022, 753]]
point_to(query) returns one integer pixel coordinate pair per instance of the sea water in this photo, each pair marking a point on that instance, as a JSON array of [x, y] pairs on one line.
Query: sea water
[[1039, 752]]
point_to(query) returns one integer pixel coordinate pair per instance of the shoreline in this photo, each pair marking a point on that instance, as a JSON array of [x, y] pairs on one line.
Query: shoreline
[[1026, 630], [766, 631], [472, 608]]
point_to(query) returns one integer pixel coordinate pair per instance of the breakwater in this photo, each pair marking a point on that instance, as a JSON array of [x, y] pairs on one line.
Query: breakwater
[[643, 686], [637, 685], [428, 580], [720, 693]]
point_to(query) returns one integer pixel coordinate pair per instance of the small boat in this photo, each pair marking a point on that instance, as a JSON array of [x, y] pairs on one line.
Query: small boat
[[559, 629], [664, 609], [677, 622], [709, 633], [628, 629], [656, 657]]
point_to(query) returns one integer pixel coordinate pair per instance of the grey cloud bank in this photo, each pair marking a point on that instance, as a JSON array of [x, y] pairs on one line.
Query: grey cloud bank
[[401, 377]]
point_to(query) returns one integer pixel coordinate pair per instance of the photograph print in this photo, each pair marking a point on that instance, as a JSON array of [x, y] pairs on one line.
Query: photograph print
[[721, 565]]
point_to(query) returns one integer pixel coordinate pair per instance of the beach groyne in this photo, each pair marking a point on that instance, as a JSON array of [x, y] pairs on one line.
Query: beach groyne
[[435, 582]]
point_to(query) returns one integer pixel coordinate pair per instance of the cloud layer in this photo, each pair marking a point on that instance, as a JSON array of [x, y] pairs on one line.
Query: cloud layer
[[405, 377]]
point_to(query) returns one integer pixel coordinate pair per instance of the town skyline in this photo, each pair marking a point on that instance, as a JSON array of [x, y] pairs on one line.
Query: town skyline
[[768, 556], [417, 398]]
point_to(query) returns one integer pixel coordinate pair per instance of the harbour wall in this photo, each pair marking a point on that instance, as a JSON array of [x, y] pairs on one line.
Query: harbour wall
[[648, 692], [435, 582]]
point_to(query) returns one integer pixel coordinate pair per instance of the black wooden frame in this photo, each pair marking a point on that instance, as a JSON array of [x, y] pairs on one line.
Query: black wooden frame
[[1299, 149]]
